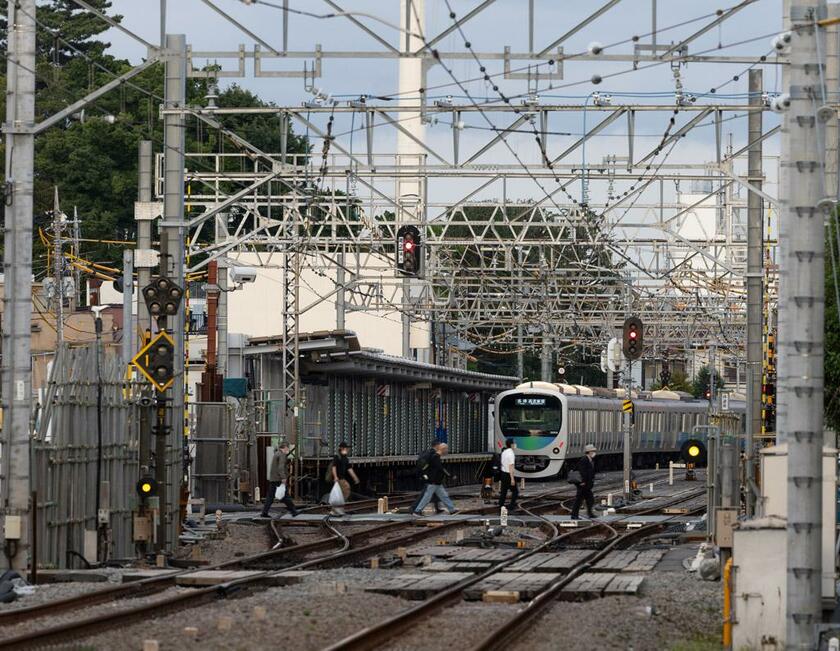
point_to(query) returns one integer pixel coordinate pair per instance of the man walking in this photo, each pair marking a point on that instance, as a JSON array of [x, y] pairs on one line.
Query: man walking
[[586, 468], [508, 464], [423, 462], [342, 471], [436, 474], [278, 474]]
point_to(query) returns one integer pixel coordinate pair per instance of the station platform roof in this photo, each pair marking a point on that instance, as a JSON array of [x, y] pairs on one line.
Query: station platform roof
[[337, 353]]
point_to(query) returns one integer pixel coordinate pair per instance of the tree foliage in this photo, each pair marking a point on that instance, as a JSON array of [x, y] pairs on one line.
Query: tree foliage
[[679, 382], [93, 161], [702, 382]]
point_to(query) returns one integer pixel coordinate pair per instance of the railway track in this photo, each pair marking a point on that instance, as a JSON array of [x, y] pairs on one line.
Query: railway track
[[375, 636], [347, 554]]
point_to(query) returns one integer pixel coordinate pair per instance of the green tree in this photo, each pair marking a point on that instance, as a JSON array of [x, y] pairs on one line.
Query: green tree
[[702, 382], [94, 162], [679, 382]]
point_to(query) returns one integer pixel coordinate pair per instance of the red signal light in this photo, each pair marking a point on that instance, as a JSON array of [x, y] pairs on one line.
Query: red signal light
[[633, 334], [408, 246]]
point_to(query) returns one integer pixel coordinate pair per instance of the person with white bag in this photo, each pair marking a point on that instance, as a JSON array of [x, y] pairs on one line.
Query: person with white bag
[[341, 471], [278, 474]]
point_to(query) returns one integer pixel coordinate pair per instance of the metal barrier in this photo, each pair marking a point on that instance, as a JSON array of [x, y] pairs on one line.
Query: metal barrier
[[65, 455]]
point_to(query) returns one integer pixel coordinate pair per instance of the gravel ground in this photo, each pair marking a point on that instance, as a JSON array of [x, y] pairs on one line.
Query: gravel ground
[[96, 610], [673, 609], [237, 540], [457, 627], [52, 592], [326, 607]]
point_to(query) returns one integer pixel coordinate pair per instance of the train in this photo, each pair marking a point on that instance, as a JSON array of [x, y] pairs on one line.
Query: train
[[551, 424]]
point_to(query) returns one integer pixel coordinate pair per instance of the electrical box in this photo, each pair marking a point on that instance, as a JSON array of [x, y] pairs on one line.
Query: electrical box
[[725, 519], [759, 583], [12, 527], [774, 502], [91, 542], [142, 528]]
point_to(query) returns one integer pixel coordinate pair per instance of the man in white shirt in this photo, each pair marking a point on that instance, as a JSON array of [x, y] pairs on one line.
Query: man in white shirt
[[508, 462]]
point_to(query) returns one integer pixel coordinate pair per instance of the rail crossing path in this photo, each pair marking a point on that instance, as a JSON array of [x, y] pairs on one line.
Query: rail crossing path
[[371, 580]]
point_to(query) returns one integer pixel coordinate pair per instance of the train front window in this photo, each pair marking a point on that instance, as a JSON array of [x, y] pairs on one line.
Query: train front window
[[529, 415]]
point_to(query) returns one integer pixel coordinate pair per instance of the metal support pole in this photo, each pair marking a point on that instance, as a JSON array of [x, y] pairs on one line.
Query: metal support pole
[[406, 319], [712, 456], [172, 264], [728, 475], [627, 457], [520, 354], [339, 296], [755, 283], [801, 320], [223, 318], [128, 338], [545, 359], [17, 266]]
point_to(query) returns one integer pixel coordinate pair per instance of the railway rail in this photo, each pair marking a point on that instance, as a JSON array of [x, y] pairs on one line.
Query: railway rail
[[379, 634], [347, 554], [91, 625]]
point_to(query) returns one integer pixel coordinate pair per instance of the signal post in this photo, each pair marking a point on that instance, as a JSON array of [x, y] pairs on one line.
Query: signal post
[[156, 362], [632, 346]]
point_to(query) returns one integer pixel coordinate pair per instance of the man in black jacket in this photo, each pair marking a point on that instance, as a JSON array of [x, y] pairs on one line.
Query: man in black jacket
[[586, 468], [436, 474], [423, 462]]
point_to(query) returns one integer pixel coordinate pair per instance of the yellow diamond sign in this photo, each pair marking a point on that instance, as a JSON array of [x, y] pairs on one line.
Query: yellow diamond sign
[[156, 361]]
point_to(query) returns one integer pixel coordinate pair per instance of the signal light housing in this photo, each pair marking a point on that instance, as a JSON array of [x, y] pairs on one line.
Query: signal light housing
[[409, 251], [162, 297], [633, 341], [693, 451], [147, 486]]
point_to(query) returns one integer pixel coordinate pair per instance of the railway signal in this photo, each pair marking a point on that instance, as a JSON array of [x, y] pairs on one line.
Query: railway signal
[[147, 486], [162, 297], [409, 251], [156, 361], [633, 338], [693, 452]]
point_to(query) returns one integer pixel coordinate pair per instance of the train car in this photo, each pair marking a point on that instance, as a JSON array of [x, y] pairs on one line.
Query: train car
[[551, 423]]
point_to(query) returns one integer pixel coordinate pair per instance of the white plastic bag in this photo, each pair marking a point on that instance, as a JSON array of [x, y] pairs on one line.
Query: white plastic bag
[[336, 496], [280, 493]]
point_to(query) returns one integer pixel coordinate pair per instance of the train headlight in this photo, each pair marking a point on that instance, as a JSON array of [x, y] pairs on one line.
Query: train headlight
[[556, 450]]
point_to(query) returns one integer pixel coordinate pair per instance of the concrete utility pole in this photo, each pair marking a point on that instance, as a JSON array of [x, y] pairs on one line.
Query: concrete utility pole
[[801, 317], [172, 265], [755, 283], [17, 267], [144, 230]]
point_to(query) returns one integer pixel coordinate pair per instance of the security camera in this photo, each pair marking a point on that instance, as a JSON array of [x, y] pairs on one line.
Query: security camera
[[595, 48], [781, 41], [240, 275], [780, 103]]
